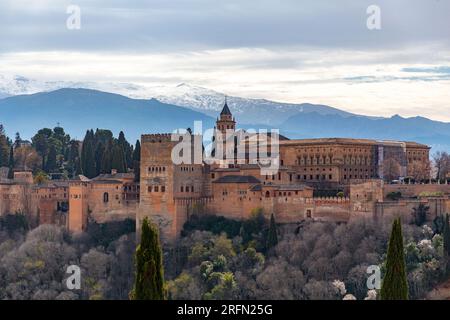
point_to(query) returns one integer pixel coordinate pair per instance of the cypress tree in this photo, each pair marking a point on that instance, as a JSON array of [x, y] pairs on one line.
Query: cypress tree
[[11, 163], [137, 151], [272, 237], [99, 153], [126, 149], [137, 161], [88, 156], [149, 280], [118, 159], [106, 161], [395, 285]]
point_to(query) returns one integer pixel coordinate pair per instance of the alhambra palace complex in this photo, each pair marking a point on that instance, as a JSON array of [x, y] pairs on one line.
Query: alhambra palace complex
[[306, 185]]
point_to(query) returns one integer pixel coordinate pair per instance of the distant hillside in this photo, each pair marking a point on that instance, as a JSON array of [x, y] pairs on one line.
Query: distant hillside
[[197, 98], [80, 109]]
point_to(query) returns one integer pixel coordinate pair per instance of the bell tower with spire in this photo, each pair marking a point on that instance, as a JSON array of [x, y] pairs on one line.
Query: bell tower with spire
[[226, 120]]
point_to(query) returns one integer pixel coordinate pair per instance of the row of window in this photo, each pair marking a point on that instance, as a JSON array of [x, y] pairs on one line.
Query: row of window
[[418, 153], [156, 169], [156, 188], [358, 177], [304, 177], [187, 189]]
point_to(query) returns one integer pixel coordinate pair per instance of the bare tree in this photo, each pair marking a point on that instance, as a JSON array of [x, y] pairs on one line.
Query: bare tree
[[26, 158], [441, 162], [419, 170]]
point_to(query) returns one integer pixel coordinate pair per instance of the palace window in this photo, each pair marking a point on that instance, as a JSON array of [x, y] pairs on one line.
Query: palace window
[[156, 188], [163, 188], [105, 197]]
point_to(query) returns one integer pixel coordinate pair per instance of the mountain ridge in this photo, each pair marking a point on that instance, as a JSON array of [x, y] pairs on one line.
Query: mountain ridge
[[98, 109]]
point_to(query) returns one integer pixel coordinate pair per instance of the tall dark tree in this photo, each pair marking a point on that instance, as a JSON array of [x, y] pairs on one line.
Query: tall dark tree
[[99, 154], [73, 158], [50, 165], [17, 140], [149, 280], [41, 143], [118, 159], [11, 163], [126, 149], [272, 237], [4, 148], [137, 151], [395, 285], [137, 161], [88, 156], [106, 160]]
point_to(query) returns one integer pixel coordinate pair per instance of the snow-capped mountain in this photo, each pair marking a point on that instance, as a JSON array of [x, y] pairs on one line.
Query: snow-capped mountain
[[197, 98]]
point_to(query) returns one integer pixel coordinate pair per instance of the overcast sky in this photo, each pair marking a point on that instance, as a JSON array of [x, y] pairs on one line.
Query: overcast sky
[[292, 51]]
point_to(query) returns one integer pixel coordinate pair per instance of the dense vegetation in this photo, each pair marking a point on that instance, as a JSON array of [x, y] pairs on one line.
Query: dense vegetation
[[33, 264], [219, 258], [53, 152], [311, 260]]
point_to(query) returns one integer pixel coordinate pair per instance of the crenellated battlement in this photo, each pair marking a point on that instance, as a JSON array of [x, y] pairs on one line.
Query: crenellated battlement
[[156, 137], [328, 200]]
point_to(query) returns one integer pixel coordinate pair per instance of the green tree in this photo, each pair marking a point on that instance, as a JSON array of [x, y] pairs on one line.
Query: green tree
[[41, 143], [88, 156], [73, 156], [127, 150], [118, 159], [11, 163], [149, 280], [40, 177], [420, 214], [137, 161], [99, 155], [4, 148], [272, 237], [50, 165], [106, 161], [395, 285]]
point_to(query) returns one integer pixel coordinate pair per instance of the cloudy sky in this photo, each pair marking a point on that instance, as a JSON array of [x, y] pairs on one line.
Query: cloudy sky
[[285, 50]]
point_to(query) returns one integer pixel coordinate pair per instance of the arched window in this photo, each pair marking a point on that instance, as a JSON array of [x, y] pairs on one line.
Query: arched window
[[105, 197]]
